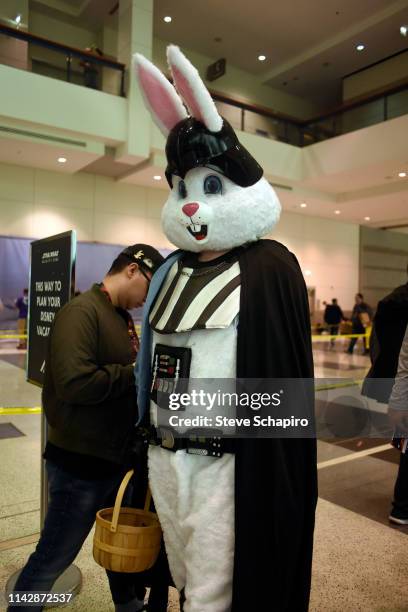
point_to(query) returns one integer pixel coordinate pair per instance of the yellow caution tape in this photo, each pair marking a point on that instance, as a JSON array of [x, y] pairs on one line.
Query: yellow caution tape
[[20, 410], [326, 337], [13, 337], [350, 383]]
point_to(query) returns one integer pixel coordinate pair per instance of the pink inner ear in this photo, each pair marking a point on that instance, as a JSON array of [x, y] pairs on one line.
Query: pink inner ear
[[185, 90], [160, 99]]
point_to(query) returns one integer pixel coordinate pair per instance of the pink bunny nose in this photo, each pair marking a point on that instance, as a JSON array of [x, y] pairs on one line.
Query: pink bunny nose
[[190, 209]]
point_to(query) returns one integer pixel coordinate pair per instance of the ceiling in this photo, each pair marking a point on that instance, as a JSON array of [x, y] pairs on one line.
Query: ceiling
[[310, 46], [89, 13]]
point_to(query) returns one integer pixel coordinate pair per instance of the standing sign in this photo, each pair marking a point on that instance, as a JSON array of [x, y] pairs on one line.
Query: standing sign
[[52, 277]]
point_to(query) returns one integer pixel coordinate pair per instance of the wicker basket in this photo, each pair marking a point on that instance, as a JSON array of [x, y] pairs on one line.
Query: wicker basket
[[126, 539]]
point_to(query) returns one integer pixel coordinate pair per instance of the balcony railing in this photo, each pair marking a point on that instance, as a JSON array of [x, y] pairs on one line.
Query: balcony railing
[[348, 118], [354, 116], [53, 59], [60, 61]]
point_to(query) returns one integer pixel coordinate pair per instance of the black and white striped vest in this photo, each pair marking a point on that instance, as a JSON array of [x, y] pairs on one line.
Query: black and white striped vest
[[205, 297]]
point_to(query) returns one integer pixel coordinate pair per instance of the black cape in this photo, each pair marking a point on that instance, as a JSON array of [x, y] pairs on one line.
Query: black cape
[[275, 479], [390, 323]]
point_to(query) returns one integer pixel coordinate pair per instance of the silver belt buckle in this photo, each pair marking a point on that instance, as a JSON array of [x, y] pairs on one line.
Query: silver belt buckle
[[167, 438]]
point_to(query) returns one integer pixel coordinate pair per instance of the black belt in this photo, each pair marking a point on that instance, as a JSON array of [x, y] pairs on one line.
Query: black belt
[[206, 446]]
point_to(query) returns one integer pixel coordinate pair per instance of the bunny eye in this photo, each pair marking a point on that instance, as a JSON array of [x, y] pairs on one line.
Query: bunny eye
[[212, 185], [182, 190]]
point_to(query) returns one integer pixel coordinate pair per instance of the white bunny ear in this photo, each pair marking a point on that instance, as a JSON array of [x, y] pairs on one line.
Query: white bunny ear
[[192, 90], [159, 95]]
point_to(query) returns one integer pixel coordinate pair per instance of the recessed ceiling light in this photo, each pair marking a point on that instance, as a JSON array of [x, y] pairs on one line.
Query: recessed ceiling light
[[367, 218], [167, 19], [337, 212], [402, 174], [360, 47], [403, 30], [62, 160], [262, 58], [303, 205], [18, 19], [157, 177]]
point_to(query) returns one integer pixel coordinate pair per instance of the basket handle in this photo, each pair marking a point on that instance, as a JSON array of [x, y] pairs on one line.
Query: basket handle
[[118, 500], [148, 500]]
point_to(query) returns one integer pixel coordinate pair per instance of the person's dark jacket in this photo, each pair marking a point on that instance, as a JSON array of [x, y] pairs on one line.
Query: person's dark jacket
[[89, 395], [358, 310], [390, 323], [333, 314]]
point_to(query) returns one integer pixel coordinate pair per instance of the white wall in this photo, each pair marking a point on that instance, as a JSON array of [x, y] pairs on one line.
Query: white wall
[[391, 71], [383, 262], [329, 250], [48, 103], [61, 31], [37, 203], [241, 85]]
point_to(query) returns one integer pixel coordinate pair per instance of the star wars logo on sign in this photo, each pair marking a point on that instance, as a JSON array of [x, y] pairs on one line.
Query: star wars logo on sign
[[50, 256]]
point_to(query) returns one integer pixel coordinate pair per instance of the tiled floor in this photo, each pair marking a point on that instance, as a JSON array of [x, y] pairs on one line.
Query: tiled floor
[[360, 561]]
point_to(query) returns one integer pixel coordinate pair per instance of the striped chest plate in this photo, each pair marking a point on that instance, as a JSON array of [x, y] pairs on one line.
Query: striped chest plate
[[197, 298]]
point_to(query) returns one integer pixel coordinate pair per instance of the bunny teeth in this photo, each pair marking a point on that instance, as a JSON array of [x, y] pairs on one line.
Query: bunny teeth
[[199, 232]]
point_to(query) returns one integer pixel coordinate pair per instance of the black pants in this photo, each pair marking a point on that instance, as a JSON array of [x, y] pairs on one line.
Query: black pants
[[357, 328], [400, 503], [334, 330]]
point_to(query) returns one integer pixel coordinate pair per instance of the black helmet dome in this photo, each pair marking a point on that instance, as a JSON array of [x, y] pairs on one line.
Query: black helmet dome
[[190, 145]]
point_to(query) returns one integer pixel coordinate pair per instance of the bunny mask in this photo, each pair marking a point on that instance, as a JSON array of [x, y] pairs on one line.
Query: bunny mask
[[218, 198]]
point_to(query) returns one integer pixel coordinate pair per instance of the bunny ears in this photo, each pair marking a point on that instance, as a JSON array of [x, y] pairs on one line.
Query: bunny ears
[[162, 100]]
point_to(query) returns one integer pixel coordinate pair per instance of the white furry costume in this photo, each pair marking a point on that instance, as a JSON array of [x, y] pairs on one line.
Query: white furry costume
[[208, 212]]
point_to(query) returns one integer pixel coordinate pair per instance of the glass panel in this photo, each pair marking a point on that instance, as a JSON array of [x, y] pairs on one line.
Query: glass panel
[[294, 134], [268, 127], [85, 72], [397, 104], [363, 116]]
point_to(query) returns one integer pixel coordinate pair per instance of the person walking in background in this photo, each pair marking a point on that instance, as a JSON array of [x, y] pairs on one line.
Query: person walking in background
[[360, 319], [389, 325], [333, 316], [398, 413], [386, 381], [22, 304]]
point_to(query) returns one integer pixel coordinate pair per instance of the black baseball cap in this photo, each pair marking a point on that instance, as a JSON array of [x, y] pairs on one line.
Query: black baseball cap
[[190, 144], [146, 256]]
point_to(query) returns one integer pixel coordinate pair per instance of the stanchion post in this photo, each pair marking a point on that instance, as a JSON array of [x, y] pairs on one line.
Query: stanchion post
[[44, 479]]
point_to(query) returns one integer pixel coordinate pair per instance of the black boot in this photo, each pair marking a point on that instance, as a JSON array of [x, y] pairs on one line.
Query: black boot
[[136, 605], [158, 599]]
